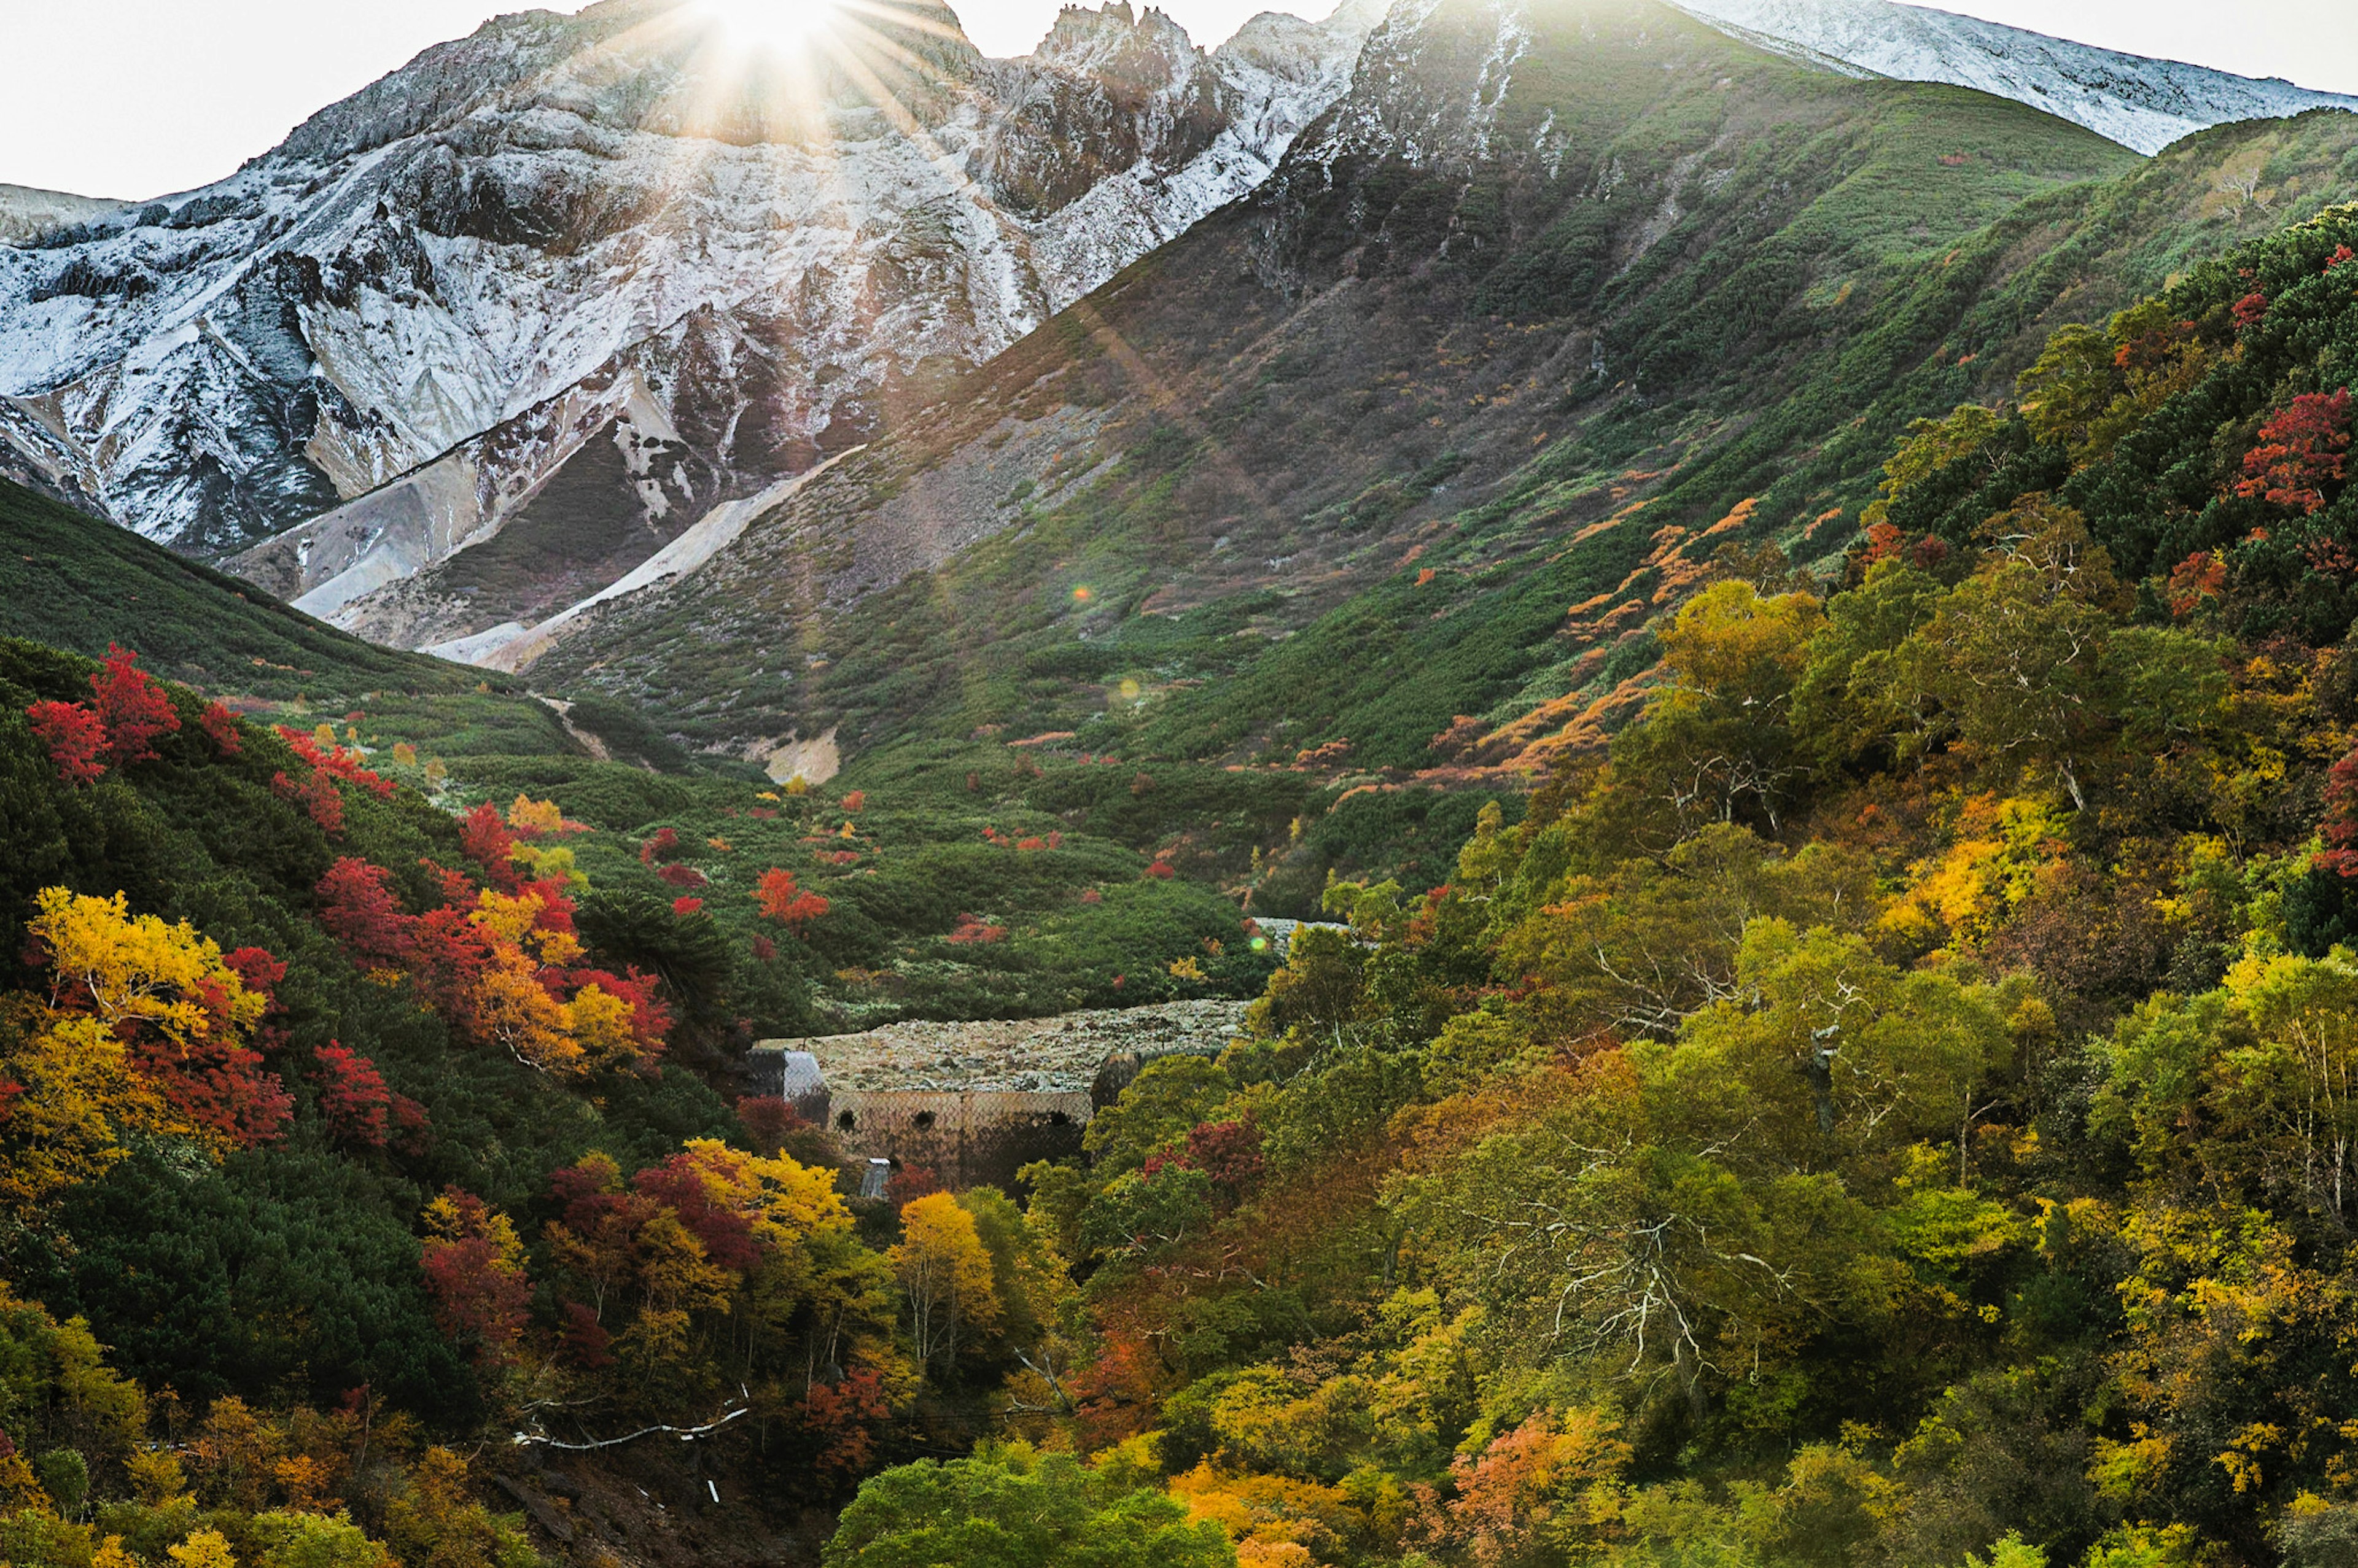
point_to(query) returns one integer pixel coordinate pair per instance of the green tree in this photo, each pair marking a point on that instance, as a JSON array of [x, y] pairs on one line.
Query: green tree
[[1010, 1508], [1169, 1095], [1826, 1059], [1716, 745]]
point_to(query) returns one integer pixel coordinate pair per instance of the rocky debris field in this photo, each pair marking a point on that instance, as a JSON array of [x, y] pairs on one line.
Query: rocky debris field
[[1032, 1053]]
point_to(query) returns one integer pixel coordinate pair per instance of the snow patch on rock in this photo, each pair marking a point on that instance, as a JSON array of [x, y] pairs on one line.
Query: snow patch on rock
[[2140, 103]]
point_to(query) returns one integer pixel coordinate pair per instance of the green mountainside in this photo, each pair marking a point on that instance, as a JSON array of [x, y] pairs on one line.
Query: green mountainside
[[1354, 500], [935, 854], [74, 583]]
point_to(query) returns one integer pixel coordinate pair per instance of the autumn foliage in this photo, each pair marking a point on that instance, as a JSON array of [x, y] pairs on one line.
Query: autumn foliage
[[474, 1267], [974, 931], [2302, 450], [487, 841], [322, 755], [778, 898], [361, 1111], [127, 713], [220, 727], [503, 967], [642, 1266], [146, 1030], [74, 738], [135, 712]]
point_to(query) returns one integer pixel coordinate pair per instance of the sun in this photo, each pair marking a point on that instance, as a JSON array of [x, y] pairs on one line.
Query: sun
[[788, 26]]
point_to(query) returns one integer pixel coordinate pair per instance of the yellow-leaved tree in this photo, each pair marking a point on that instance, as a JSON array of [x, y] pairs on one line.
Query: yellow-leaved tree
[[945, 1271], [71, 1095], [145, 1031], [136, 973]]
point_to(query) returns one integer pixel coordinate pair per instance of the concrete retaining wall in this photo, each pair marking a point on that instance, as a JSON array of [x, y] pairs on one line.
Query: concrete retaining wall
[[968, 1137]]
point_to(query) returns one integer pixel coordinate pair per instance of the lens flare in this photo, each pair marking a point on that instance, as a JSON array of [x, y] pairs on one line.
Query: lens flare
[[785, 26]]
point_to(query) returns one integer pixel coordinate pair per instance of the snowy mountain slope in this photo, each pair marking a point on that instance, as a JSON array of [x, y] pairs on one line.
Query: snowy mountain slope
[[608, 243], [27, 213], [1440, 273], [2137, 102]]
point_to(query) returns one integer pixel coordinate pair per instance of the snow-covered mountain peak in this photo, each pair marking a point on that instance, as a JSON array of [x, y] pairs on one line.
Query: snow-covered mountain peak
[[2140, 103], [1083, 39], [597, 273]]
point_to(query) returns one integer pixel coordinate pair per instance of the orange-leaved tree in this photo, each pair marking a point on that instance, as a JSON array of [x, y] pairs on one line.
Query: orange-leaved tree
[[2301, 451], [782, 900], [501, 967]]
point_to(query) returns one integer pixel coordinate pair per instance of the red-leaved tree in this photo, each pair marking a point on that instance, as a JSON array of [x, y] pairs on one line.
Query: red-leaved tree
[[331, 758], [842, 1417], [135, 712], [487, 841], [358, 908], [474, 1270], [317, 795], [2339, 829], [220, 727], [1226, 1151], [214, 1082], [354, 1099], [769, 1121], [2301, 451], [262, 974], [74, 738], [781, 899]]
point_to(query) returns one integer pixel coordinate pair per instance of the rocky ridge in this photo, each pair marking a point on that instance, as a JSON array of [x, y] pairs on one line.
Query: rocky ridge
[[27, 215]]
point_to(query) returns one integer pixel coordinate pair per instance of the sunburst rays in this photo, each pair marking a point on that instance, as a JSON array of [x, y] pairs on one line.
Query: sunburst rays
[[750, 72]]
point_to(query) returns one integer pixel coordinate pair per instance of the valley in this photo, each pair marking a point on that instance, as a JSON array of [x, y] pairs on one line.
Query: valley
[[1482, 783]]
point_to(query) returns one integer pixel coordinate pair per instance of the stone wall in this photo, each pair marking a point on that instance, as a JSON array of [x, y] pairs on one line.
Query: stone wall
[[968, 1138], [1036, 1055]]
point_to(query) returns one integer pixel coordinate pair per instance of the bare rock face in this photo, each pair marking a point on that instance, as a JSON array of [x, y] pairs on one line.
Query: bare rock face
[[597, 273]]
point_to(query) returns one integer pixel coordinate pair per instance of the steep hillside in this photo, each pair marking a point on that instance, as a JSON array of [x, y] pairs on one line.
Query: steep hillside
[[932, 860], [68, 580], [2140, 103], [1559, 301], [1888, 1111], [71, 581], [594, 273]]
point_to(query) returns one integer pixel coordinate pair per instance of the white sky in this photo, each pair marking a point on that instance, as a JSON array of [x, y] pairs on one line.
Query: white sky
[[137, 98]]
